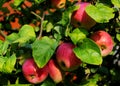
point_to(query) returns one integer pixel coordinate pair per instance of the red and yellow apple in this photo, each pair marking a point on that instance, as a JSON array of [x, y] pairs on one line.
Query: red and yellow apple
[[58, 3], [104, 41], [66, 58], [54, 71], [32, 73], [80, 18]]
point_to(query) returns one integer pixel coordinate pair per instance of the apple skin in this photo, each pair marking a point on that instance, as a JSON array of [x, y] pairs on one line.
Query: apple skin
[[66, 57], [32, 73], [104, 41], [80, 18], [58, 3], [54, 71]]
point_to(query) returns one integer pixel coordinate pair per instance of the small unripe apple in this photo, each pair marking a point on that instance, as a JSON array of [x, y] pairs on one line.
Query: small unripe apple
[[66, 58], [54, 71], [104, 41], [58, 3], [32, 73], [80, 18]]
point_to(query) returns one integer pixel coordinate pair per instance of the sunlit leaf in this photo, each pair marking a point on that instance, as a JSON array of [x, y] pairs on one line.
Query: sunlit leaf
[[88, 52], [18, 2], [7, 64], [116, 2], [77, 35], [26, 34], [118, 37], [43, 50], [100, 12], [3, 47]]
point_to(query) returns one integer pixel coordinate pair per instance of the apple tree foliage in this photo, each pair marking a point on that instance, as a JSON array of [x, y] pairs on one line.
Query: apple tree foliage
[[41, 41]]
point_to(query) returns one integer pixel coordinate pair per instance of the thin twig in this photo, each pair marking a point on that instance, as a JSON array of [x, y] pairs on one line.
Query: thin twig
[[41, 26], [36, 15]]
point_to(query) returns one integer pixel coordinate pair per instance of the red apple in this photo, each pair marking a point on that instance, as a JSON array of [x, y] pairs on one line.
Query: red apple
[[104, 41], [80, 18], [66, 57], [54, 71], [58, 3], [32, 73]]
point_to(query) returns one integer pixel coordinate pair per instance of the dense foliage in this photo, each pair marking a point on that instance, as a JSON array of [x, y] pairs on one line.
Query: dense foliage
[[33, 28]]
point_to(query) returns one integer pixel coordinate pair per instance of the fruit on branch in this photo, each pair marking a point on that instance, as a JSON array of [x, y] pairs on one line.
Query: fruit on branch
[[58, 3], [104, 41], [66, 57], [80, 18], [32, 73], [54, 71]]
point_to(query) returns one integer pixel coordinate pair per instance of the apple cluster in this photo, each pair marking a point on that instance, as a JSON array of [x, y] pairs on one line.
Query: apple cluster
[[81, 19], [65, 59], [36, 75]]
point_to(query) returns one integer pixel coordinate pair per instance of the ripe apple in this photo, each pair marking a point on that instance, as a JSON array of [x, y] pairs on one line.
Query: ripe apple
[[54, 71], [66, 57], [32, 73], [104, 41], [80, 18], [58, 3]]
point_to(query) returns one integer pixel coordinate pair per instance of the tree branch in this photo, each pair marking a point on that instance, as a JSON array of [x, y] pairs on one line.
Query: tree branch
[[41, 26]]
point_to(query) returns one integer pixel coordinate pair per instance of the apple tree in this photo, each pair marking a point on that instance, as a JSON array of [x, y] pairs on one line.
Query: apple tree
[[59, 42]]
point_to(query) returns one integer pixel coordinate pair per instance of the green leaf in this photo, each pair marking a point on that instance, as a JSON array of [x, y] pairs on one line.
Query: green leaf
[[8, 64], [39, 1], [92, 81], [3, 47], [66, 16], [116, 3], [47, 26], [2, 61], [88, 52], [78, 34], [48, 82], [43, 50], [118, 37], [57, 36], [63, 26], [100, 12], [59, 29], [18, 2], [26, 34], [12, 37]]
